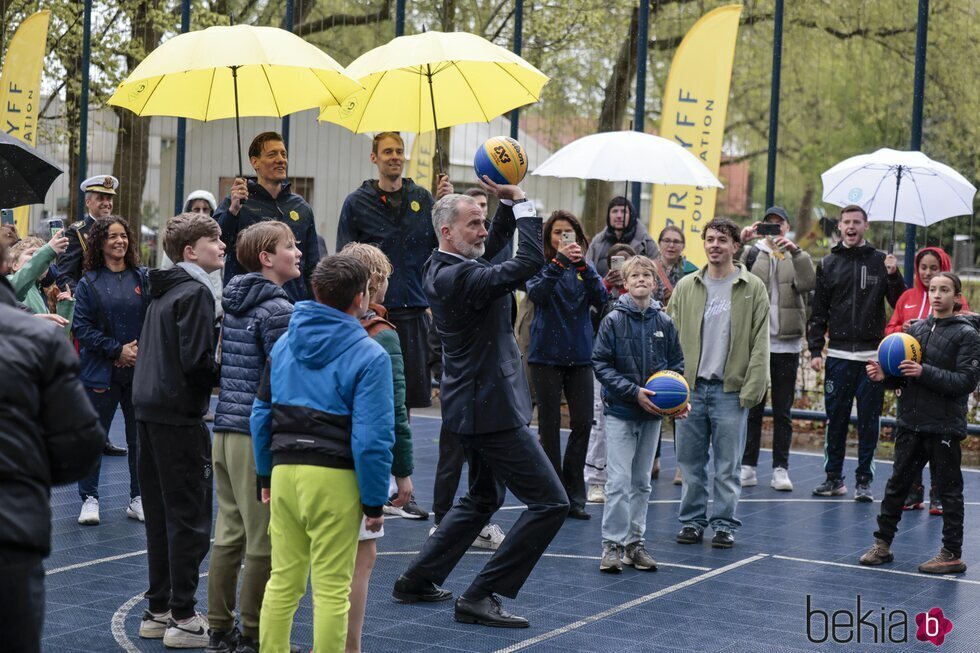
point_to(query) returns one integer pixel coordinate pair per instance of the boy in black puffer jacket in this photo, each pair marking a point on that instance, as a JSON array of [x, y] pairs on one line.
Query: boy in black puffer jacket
[[931, 422], [257, 311]]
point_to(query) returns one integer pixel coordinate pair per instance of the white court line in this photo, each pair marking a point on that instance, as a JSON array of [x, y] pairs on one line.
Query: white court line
[[828, 563], [549, 555], [89, 563], [630, 604]]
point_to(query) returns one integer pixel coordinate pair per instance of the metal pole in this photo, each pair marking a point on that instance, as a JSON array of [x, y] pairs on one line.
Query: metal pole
[[515, 115], [238, 127], [83, 106], [285, 119], [435, 123], [918, 95], [777, 60], [898, 187], [185, 26], [400, 18], [642, 45]]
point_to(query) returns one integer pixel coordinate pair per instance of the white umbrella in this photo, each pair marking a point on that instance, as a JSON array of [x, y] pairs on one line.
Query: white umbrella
[[628, 156], [892, 185]]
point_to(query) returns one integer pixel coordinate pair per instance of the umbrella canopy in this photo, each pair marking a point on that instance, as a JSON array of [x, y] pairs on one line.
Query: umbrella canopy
[[233, 71], [628, 156], [892, 185], [25, 175], [422, 82]]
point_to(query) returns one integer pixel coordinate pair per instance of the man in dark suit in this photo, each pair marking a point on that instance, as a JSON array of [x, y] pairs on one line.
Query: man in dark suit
[[486, 405]]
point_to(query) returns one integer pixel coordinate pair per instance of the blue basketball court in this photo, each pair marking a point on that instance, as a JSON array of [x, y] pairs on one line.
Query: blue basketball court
[[795, 552]]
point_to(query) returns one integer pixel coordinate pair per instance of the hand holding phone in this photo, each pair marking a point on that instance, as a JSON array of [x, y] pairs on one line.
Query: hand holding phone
[[55, 225], [616, 262]]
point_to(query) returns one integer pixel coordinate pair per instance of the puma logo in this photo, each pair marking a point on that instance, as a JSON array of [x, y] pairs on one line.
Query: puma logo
[[946, 443]]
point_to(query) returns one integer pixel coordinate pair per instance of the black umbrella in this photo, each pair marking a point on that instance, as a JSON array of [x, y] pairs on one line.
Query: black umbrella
[[25, 175]]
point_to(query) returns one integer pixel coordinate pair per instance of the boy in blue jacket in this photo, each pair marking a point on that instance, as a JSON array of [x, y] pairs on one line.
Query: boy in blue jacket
[[634, 341], [323, 425]]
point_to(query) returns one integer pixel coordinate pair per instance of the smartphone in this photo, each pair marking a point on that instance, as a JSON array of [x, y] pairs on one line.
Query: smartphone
[[55, 225], [616, 262], [567, 237], [769, 229], [7, 216]]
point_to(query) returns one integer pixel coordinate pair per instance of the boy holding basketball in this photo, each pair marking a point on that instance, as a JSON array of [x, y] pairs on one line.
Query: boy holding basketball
[[931, 422], [634, 341]]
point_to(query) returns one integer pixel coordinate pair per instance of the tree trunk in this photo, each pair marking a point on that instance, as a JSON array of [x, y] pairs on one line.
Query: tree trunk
[[132, 156], [611, 118], [806, 210]]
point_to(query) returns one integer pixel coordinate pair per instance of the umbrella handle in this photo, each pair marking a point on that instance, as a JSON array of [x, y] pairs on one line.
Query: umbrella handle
[[238, 127], [435, 123]]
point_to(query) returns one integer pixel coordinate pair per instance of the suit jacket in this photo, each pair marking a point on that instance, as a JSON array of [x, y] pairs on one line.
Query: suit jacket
[[484, 388]]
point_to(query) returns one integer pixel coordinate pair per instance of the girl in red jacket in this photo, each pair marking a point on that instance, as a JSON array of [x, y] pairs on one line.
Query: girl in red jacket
[[914, 305]]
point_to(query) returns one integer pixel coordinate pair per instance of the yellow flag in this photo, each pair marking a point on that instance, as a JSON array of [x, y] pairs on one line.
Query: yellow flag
[[20, 88], [420, 162], [695, 104]]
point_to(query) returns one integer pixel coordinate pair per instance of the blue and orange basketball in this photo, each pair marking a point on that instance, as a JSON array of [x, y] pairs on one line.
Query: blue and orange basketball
[[502, 159], [672, 390], [896, 348]]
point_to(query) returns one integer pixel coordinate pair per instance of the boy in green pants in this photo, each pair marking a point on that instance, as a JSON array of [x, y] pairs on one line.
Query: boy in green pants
[[323, 425]]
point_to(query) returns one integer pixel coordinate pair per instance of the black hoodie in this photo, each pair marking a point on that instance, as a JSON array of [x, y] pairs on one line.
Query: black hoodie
[[176, 367]]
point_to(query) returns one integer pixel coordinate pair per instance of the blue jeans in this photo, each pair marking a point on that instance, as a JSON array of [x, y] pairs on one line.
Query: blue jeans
[[718, 420], [118, 394], [630, 446], [844, 380]]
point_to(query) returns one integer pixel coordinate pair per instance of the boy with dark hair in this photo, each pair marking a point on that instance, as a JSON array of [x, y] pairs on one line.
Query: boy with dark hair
[[172, 383], [323, 425], [257, 312]]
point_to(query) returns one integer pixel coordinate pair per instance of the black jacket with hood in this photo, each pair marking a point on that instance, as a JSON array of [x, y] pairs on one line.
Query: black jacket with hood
[[176, 367], [49, 432], [635, 235], [849, 302], [935, 403]]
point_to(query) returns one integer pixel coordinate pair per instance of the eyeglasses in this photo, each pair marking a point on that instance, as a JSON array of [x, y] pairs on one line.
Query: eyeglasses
[[667, 241]]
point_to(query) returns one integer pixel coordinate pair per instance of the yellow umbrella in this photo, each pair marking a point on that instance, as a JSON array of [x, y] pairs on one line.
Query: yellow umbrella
[[232, 71], [422, 82]]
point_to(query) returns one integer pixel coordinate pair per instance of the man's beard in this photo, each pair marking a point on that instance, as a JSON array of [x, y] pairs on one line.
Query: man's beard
[[469, 251]]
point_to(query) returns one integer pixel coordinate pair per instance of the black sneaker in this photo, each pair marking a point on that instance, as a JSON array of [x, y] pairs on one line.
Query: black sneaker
[[832, 487], [862, 491], [112, 450], [723, 540], [914, 500], [410, 510], [221, 641], [690, 535]]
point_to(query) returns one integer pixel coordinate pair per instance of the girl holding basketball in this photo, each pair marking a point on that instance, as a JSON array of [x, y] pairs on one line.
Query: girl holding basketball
[[931, 422], [634, 341]]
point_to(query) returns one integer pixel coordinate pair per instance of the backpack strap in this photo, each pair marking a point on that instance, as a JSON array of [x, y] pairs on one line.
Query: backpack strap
[[751, 257]]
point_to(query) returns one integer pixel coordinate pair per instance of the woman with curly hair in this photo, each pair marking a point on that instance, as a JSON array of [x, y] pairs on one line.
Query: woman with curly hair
[[110, 304]]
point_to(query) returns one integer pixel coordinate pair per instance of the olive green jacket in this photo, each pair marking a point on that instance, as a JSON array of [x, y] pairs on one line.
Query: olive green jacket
[[747, 367]]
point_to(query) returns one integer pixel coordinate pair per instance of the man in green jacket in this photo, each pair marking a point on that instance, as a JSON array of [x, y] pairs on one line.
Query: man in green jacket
[[722, 316]]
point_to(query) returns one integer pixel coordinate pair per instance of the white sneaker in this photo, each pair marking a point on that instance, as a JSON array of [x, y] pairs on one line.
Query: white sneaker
[[153, 625], [193, 633], [597, 494], [89, 516], [749, 478], [135, 509], [780, 480], [489, 538]]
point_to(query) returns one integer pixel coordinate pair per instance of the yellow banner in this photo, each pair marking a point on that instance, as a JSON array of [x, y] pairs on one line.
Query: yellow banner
[[20, 88], [420, 162], [695, 104]]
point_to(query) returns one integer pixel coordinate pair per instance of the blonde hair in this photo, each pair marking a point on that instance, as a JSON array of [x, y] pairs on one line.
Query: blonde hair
[[22, 246], [261, 237], [374, 259], [637, 262]]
